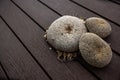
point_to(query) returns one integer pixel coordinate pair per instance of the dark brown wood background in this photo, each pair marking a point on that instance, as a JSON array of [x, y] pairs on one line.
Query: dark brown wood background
[[25, 55]]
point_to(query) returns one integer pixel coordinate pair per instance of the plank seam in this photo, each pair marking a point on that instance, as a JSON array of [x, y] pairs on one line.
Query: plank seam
[[114, 2], [27, 49], [98, 78], [116, 52], [49, 7], [8, 78], [28, 15], [94, 12]]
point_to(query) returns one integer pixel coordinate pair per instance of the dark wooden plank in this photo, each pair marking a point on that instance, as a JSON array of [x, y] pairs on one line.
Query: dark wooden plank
[[2, 74], [38, 11], [102, 7], [112, 68], [32, 37], [69, 8], [38, 8], [15, 59]]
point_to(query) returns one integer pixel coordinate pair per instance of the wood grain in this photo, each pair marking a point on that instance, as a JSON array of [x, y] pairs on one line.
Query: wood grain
[[115, 1], [2, 74]]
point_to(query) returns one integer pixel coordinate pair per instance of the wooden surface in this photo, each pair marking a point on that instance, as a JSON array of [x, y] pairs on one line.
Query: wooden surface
[[2, 73], [24, 53]]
